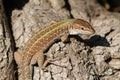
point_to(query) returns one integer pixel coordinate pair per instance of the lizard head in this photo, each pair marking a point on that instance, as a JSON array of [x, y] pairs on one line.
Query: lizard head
[[80, 26]]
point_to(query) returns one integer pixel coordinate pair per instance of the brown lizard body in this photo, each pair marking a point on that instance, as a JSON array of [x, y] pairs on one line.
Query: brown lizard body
[[35, 47]]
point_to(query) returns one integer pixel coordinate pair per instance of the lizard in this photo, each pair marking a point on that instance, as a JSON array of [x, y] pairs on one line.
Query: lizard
[[34, 49]]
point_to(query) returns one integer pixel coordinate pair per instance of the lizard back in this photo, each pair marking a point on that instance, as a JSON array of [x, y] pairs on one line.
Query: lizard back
[[43, 38]]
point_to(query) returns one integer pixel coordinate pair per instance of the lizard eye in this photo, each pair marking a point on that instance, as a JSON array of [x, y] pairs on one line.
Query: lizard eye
[[82, 28]]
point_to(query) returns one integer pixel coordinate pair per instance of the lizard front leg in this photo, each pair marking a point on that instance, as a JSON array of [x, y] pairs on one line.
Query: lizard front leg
[[64, 36]]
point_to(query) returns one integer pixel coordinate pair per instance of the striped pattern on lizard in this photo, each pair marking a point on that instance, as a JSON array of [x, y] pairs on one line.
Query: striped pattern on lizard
[[34, 49]]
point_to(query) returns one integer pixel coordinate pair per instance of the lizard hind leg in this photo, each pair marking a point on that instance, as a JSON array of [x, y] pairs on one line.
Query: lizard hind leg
[[42, 63], [18, 58], [38, 58]]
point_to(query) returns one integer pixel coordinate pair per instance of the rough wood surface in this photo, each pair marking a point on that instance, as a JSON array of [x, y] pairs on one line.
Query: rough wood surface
[[96, 57], [6, 47]]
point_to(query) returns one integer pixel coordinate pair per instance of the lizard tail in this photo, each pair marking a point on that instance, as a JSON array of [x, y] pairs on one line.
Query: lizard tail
[[26, 74]]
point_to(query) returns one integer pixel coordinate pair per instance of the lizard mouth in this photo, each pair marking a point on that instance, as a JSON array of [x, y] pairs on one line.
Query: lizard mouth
[[87, 32], [77, 32]]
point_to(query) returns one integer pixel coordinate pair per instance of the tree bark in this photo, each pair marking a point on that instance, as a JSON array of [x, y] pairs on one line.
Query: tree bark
[[6, 47], [95, 57]]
